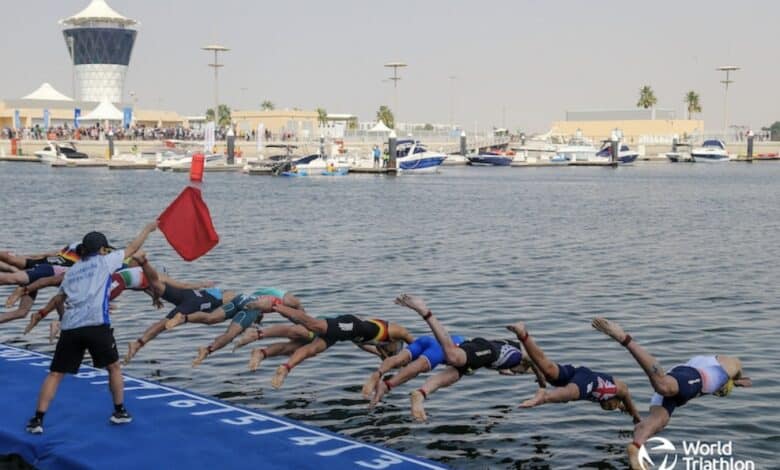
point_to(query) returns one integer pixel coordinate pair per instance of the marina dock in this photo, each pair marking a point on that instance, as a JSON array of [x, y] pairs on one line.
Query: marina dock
[[171, 428]]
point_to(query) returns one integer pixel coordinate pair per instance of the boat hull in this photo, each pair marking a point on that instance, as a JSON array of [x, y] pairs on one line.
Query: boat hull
[[420, 165]]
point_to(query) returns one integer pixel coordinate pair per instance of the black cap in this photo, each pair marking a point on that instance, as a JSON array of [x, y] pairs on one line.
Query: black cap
[[93, 242]]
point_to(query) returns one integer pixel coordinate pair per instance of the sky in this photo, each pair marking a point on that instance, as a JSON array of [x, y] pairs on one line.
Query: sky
[[517, 63]]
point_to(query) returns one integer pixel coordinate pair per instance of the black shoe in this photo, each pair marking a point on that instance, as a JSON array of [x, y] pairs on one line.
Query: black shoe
[[35, 426], [121, 417]]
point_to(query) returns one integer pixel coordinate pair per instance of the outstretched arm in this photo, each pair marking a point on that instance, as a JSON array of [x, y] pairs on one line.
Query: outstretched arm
[[184, 284], [628, 404], [136, 244], [454, 355]]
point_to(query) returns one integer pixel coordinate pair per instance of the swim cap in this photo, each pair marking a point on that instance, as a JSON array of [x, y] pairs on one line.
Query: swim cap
[[726, 389], [509, 356]]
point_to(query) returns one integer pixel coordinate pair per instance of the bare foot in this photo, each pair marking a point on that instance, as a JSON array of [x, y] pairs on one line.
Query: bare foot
[[256, 358], [177, 320], [379, 393], [413, 302], [633, 457], [518, 329], [537, 400], [368, 387], [202, 354], [35, 318], [251, 334], [279, 376], [54, 331], [611, 329], [132, 350], [418, 410], [15, 296]]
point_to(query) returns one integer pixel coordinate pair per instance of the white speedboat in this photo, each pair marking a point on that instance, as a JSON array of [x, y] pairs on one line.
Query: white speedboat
[[66, 151], [184, 162], [412, 157], [577, 149], [626, 156], [711, 151], [321, 165]]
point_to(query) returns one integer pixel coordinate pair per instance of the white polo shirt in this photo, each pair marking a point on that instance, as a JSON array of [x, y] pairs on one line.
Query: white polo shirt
[[87, 285]]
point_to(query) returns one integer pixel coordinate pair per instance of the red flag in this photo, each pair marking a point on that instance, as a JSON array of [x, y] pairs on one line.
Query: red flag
[[187, 225]]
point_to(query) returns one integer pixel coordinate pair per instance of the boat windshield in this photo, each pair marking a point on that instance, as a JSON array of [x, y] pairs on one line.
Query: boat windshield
[[713, 143]]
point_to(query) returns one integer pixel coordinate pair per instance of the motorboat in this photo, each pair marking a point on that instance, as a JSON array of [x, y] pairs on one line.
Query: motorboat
[[53, 151], [626, 156], [577, 149], [491, 158], [711, 151], [320, 165], [413, 157], [183, 163], [681, 153]]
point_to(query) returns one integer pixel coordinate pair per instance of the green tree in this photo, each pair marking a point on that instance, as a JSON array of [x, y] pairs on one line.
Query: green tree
[[692, 101], [774, 129], [322, 117], [386, 115], [267, 105], [428, 127], [647, 98], [224, 115]]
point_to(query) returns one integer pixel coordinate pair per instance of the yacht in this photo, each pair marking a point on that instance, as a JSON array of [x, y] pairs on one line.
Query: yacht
[[626, 156], [711, 151], [60, 151], [412, 157], [491, 158], [577, 149]]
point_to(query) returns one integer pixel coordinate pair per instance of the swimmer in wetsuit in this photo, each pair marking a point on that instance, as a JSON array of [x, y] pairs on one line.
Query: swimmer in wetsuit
[[186, 300], [422, 355], [243, 311], [376, 336], [715, 375], [504, 356], [574, 383]]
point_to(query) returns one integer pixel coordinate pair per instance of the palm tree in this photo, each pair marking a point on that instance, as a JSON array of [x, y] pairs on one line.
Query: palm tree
[[647, 99], [322, 117], [385, 115], [267, 105], [224, 115], [692, 100]]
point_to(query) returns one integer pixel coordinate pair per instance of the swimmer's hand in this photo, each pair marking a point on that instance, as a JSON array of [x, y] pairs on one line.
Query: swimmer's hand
[[413, 302], [538, 399], [743, 382]]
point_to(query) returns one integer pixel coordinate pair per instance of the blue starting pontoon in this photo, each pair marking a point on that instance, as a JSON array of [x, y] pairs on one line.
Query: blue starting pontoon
[[171, 428]]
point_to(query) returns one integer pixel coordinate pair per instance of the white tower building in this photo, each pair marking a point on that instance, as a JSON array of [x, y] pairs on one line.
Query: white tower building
[[100, 42]]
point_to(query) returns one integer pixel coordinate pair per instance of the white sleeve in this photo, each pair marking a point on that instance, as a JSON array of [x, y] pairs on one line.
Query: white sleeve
[[115, 259]]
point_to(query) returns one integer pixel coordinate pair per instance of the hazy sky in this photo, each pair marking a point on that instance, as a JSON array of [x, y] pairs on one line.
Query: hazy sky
[[527, 60]]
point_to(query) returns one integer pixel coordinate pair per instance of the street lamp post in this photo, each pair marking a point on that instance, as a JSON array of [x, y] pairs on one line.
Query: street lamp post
[[216, 66], [395, 66], [728, 69], [452, 79]]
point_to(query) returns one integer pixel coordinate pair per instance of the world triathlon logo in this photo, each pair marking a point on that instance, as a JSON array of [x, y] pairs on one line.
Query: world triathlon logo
[[665, 448], [660, 454]]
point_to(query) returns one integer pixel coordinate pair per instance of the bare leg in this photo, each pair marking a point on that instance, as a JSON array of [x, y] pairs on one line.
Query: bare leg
[[276, 349], [18, 278], [7, 267], [15, 296], [548, 367], [317, 325], [116, 383], [11, 261], [410, 371], [664, 384], [443, 379], [651, 425], [24, 308], [250, 335], [48, 390], [301, 354], [134, 346], [222, 340], [212, 318], [296, 332], [455, 356], [390, 363]]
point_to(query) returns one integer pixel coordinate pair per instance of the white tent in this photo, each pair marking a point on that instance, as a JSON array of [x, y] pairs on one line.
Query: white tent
[[46, 92], [380, 127], [105, 111]]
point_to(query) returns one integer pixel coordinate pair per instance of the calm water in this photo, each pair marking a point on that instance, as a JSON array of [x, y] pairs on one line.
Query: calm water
[[685, 256]]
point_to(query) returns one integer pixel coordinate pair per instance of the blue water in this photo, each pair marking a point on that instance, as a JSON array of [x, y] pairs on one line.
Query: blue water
[[685, 257]]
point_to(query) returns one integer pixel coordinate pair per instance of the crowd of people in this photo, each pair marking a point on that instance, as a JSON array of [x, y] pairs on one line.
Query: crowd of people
[[92, 273]]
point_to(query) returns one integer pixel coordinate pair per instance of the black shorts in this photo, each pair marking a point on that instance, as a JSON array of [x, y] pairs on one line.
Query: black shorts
[[689, 384], [174, 295], [98, 340], [479, 353], [195, 301], [350, 328], [30, 263]]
